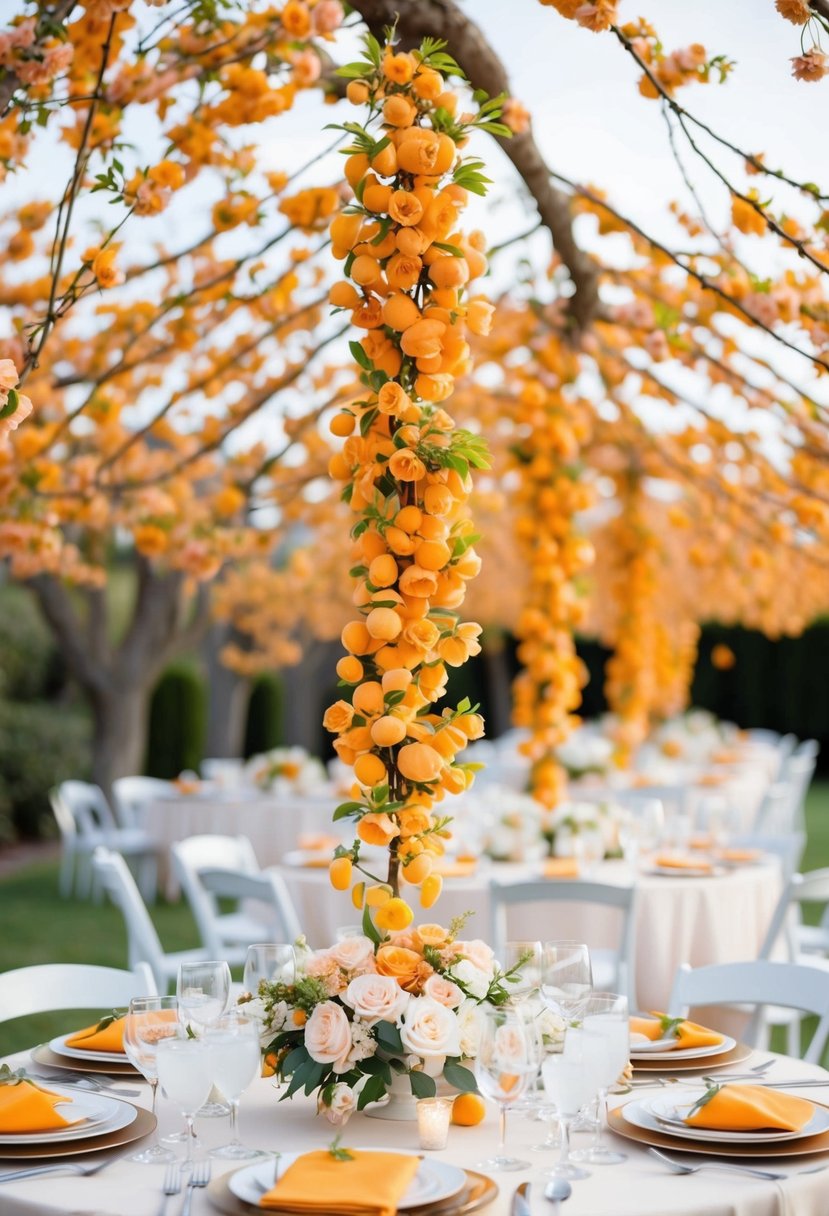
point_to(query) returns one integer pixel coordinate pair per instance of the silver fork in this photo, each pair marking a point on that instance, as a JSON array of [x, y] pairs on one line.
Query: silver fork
[[171, 1185], [679, 1167], [71, 1167], [199, 1177]]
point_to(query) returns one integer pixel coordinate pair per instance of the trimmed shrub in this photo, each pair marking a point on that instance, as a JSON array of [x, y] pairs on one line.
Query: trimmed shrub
[[30, 665], [41, 744], [178, 721], [265, 720]]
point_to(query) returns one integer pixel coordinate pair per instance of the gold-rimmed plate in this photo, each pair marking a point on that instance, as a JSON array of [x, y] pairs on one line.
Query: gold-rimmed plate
[[701, 1064], [44, 1055], [141, 1126], [478, 1193], [711, 1148]]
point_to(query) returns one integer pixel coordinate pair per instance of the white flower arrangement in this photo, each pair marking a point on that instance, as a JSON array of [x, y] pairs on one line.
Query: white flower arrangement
[[286, 770], [586, 751], [510, 825], [571, 821]]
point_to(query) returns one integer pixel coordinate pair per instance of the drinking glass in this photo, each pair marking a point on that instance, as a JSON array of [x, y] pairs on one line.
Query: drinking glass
[[651, 815], [525, 959], [507, 1060], [589, 849], [630, 837], [235, 1059], [149, 1020], [566, 977], [186, 1076], [606, 1017], [269, 961], [571, 1081], [203, 991]]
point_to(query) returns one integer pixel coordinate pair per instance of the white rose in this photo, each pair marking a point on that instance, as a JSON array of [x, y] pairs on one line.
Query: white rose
[[376, 998], [430, 1031], [353, 952], [442, 990], [342, 1104], [473, 980], [479, 954], [328, 1036], [470, 1024]]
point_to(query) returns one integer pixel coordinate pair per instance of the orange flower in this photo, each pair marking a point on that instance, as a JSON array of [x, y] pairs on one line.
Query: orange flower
[[419, 762], [393, 399], [406, 465], [405, 208], [423, 339], [377, 829], [104, 268], [338, 717], [401, 964], [398, 111]]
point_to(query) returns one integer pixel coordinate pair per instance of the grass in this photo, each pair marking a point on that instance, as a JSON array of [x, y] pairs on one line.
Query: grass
[[37, 926]]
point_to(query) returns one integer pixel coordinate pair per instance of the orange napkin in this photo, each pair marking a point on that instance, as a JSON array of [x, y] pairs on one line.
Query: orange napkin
[[687, 1034], [711, 779], [367, 1184], [26, 1107], [751, 1108], [456, 869], [700, 842], [317, 842], [111, 1038], [739, 854], [561, 867], [670, 861], [316, 863]]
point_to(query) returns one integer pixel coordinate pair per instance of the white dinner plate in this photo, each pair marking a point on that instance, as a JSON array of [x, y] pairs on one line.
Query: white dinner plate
[[434, 1181], [59, 1047], [687, 871], [100, 1115], [658, 1050], [643, 1114]]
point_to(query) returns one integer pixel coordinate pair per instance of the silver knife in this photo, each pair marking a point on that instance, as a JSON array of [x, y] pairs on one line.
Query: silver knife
[[521, 1201]]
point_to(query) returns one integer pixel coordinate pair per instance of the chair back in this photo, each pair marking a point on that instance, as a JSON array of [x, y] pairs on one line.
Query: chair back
[[132, 795], [504, 896], [143, 943], [198, 853], [758, 983], [87, 805], [63, 817], [267, 888], [54, 986], [810, 888]]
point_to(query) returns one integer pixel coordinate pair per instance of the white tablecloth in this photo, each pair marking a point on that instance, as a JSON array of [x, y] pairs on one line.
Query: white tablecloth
[[639, 1187], [719, 919]]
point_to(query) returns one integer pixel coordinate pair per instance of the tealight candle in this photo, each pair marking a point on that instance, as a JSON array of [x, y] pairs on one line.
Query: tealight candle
[[433, 1122]]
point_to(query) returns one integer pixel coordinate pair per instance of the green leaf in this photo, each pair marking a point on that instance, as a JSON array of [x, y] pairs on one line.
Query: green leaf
[[388, 1036], [703, 1101], [372, 1091], [11, 405], [360, 356], [371, 931], [423, 1086], [346, 809], [453, 249], [366, 421], [353, 71], [459, 1077], [339, 1154]]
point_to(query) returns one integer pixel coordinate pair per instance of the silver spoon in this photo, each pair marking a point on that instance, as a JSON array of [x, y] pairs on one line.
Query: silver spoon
[[679, 1167], [557, 1191]]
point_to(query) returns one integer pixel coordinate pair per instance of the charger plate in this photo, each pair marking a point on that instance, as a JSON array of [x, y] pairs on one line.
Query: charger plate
[[44, 1055], [710, 1148], [700, 1064], [140, 1127], [478, 1193]]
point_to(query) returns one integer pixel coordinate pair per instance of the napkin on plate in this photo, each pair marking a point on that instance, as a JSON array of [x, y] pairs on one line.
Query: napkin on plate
[[738, 855], [25, 1107], [561, 867], [316, 863], [752, 1108], [671, 861], [459, 868], [366, 1184], [688, 1034], [111, 1038]]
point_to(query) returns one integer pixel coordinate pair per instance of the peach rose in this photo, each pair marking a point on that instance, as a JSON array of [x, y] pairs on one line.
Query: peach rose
[[353, 954], [478, 953], [376, 998], [393, 400], [443, 991], [423, 339], [338, 717], [430, 1030], [418, 582], [401, 964], [328, 1036]]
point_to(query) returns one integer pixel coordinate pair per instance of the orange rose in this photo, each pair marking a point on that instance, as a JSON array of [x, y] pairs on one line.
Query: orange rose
[[403, 272], [422, 634], [413, 820], [405, 465], [405, 208], [393, 400], [423, 339], [401, 964], [377, 829], [338, 717]]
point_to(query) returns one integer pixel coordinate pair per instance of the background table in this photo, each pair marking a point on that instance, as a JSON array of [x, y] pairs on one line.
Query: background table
[[679, 920], [639, 1187]]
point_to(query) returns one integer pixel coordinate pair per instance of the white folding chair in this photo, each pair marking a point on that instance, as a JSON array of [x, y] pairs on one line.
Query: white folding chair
[[94, 826], [807, 945], [227, 934], [788, 847], [760, 983], [143, 942], [132, 795], [54, 986], [613, 970], [269, 890]]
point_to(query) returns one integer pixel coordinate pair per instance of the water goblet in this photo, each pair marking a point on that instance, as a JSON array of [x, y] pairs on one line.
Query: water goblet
[[203, 991], [507, 1060], [522, 961], [605, 1016], [651, 815], [566, 977], [149, 1020], [269, 961], [186, 1077], [235, 1059], [570, 1081]]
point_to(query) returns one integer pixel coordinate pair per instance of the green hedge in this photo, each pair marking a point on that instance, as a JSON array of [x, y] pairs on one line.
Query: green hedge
[[41, 743], [178, 721], [264, 727]]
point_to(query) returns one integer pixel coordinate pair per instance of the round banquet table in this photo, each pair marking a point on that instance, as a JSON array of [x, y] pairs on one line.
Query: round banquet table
[[638, 1187], [718, 919]]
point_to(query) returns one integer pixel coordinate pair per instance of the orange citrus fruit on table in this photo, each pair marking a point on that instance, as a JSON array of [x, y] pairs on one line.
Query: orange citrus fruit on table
[[468, 1110]]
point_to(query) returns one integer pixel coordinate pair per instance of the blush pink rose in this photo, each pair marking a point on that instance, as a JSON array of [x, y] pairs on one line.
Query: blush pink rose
[[354, 954], [376, 998], [328, 1036], [443, 991], [478, 953]]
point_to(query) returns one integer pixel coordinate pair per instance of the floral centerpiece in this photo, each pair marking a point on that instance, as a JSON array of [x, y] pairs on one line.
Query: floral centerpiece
[[370, 1010], [586, 753], [287, 770], [571, 822], [511, 824]]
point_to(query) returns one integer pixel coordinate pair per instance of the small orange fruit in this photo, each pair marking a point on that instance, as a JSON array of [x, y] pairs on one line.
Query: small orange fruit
[[468, 1110]]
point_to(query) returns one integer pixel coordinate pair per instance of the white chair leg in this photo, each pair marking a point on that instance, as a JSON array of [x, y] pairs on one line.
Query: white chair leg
[[83, 878], [793, 1038], [148, 877]]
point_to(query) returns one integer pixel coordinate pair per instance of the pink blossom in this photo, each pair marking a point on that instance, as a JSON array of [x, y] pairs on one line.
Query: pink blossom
[[327, 16], [656, 344], [7, 425], [809, 67], [23, 35], [8, 375], [58, 58], [307, 67]]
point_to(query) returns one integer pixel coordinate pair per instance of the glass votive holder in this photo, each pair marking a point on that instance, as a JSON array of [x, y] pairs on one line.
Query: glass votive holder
[[433, 1116]]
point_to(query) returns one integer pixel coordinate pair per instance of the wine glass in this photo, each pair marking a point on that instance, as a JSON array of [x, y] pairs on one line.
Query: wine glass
[[566, 977], [235, 1059], [651, 813], [506, 1062], [606, 1017], [149, 1020], [523, 959], [186, 1076], [203, 995], [269, 961], [589, 849], [630, 833], [571, 1081]]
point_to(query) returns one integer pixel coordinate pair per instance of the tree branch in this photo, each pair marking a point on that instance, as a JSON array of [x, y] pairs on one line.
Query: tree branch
[[56, 606]]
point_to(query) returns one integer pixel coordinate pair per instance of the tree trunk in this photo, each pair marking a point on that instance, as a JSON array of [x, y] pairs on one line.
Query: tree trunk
[[119, 745], [228, 698]]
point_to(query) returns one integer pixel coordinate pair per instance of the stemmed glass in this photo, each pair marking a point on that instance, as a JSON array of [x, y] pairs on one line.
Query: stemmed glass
[[524, 960], [268, 961], [606, 1017], [651, 815], [186, 1076], [566, 978], [506, 1062], [203, 991], [571, 1081], [235, 1059], [149, 1020]]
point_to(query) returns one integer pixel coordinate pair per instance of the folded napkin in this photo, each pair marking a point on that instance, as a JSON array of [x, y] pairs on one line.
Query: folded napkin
[[456, 869], [366, 1184], [701, 842], [25, 1107], [317, 842], [686, 1034], [111, 1038], [751, 1108], [561, 867], [737, 855], [711, 779], [316, 863], [670, 861]]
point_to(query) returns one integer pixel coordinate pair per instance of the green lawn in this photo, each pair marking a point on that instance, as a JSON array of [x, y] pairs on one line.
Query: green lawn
[[37, 926]]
